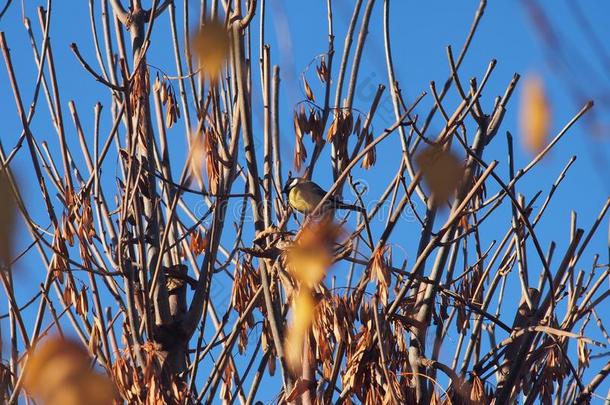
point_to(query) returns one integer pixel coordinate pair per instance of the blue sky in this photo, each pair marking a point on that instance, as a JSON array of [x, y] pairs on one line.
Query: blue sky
[[297, 32]]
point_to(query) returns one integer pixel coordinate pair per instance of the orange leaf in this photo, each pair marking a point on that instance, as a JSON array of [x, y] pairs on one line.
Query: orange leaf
[[535, 114], [198, 243], [59, 372], [311, 255], [211, 44], [302, 317], [442, 171]]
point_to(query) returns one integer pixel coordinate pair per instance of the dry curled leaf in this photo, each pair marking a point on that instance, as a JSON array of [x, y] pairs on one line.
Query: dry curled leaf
[[477, 391], [212, 161], [198, 243], [300, 387], [356, 365], [94, 339], [59, 261], [583, 354], [82, 303], [211, 45], [163, 93], [380, 272], [308, 93], [371, 156], [322, 71], [85, 223], [534, 114], [316, 125], [227, 382], [168, 98], [172, 112], [300, 153], [245, 284], [442, 172]]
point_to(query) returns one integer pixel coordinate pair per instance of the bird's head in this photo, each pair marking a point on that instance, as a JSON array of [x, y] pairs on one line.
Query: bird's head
[[290, 184]]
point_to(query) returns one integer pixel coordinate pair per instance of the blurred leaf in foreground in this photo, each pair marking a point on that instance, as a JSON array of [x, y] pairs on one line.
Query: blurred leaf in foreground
[[308, 260], [303, 311], [211, 45], [59, 372], [442, 171], [311, 255], [534, 114]]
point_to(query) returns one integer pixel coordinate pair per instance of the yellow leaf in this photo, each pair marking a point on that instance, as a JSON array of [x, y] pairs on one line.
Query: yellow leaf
[[211, 44], [59, 372], [442, 172], [535, 114], [311, 255], [302, 317], [309, 266]]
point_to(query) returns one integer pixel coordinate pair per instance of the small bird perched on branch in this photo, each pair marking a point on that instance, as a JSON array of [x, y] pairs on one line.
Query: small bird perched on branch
[[305, 195]]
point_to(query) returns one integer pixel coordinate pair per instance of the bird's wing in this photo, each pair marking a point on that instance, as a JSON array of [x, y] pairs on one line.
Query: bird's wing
[[332, 199], [322, 192], [317, 188]]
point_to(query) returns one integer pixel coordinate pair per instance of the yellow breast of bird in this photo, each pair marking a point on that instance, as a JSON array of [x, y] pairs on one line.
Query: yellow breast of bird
[[303, 199]]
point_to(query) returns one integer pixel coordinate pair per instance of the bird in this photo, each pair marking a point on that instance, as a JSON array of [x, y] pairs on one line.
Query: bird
[[304, 196]]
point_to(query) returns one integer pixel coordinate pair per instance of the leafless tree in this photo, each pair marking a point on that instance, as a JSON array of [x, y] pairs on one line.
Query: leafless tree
[[132, 260]]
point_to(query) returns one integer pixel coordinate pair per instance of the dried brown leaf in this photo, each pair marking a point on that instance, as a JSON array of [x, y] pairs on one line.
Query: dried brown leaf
[[308, 93], [380, 272], [198, 243], [477, 391], [300, 153], [164, 92], [300, 387], [583, 354], [322, 71], [332, 130], [82, 303], [371, 156], [94, 339]]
